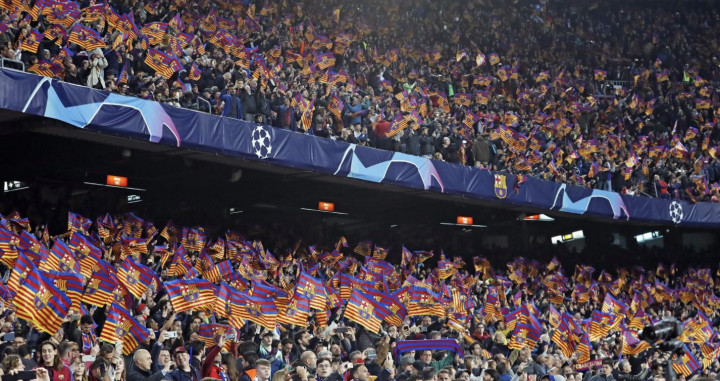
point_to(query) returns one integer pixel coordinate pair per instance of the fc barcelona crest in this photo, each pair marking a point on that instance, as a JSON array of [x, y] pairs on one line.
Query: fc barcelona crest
[[500, 186]]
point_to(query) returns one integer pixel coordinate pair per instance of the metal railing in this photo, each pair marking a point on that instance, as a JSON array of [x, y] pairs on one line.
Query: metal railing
[[7, 63], [204, 101]]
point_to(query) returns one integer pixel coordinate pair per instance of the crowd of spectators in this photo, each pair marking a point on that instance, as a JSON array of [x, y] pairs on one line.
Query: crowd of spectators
[[612, 95], [330, 313]]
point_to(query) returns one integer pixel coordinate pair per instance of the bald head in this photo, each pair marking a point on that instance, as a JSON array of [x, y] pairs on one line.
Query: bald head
[[143, 360], [309, 359]]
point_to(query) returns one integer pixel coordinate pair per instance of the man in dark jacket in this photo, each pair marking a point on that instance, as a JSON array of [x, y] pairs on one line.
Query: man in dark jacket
[[184, 371], [140, 371]]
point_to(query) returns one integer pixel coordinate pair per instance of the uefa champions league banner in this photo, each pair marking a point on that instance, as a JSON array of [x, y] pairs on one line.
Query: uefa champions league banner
[[113, 114]]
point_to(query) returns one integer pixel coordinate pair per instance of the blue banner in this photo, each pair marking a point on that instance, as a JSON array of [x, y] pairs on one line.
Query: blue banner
[[159, 123]]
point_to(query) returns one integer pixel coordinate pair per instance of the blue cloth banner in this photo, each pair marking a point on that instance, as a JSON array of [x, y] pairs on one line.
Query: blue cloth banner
[[114, 114]]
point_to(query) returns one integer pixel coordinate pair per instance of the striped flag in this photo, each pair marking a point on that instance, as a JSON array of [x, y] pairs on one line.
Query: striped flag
[[135, 277], [632, 345], [86, 38], [32, 41], [219, 271], [9, 245], [79, 223], [101, 286], [564, 338], [418, 346], [121, 327], [686, 364], [210, 333], [180, 263], [363, 311], [60, 258], [190, 294], [312, 289], [253, 308], [424, 302], [23, 266], [31, 246], [40, 303], [68, 283], [601, 323], [296, 312]]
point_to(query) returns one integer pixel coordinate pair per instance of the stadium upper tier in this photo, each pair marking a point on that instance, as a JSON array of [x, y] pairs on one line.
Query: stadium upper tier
[[614, 97]]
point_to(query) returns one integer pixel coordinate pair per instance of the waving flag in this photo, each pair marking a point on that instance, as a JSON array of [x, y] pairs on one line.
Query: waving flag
[[166, 66], [296, 312], [194, 239], [686, 364], [9, 242], [564, 338], [86, 38], [195, 72], [135, 277], [632, 345], [180, 263], [191, 294], [601, 323], [31, 246], [68, 283], [22, 267], [363, 311], [424, 302], [256, 309], [46, 69], [60, 258], [32, 41], [219, 271], [99, 289], [210, 333], [40, 303], [312, 289], [614, 306], [121, 327]]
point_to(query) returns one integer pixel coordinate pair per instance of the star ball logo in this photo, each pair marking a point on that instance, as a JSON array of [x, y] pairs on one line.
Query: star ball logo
[[676, 212], [261, 142]]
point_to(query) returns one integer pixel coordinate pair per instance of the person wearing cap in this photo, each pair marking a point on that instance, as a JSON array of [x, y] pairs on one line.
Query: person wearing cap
[[406, 365], [183, 370], [143, 311], [266, 350]]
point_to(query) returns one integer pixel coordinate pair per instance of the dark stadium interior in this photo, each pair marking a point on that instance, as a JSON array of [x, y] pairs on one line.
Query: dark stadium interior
[[192, 187]]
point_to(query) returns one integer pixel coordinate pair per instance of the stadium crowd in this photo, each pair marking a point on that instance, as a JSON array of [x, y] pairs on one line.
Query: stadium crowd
[[614, 96], [119, 299]]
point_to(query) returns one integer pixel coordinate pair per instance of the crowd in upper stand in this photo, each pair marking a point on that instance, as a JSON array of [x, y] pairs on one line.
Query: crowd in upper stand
[[611, 95]]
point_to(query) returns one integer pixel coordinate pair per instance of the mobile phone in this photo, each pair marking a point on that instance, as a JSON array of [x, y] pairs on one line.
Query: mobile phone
[[9, 336], [371, 354], [88, 358], [171, 334], [423, 329], [341, 330], [229, 336], [23, 375]]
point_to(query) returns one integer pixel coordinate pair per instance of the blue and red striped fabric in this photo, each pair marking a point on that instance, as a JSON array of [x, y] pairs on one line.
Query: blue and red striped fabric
[[432, 345]]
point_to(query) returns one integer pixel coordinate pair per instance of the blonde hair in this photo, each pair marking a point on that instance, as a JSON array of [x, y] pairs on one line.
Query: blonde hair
[[11, 362]]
